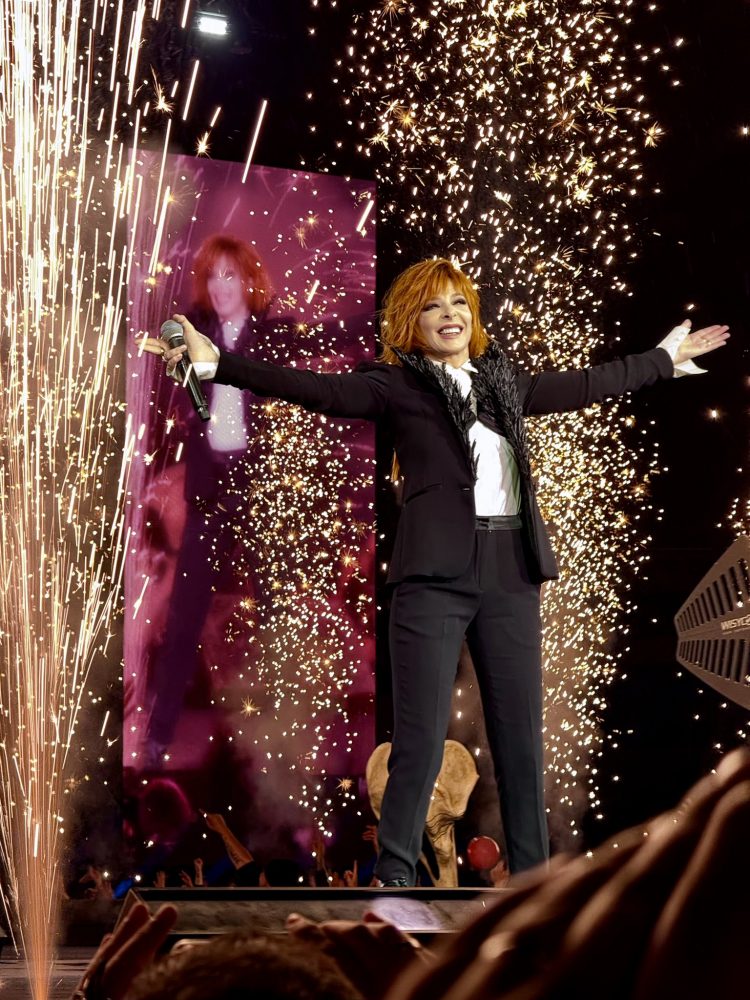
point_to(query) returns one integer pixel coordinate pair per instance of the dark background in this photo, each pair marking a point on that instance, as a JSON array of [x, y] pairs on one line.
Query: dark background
[[662, 729]]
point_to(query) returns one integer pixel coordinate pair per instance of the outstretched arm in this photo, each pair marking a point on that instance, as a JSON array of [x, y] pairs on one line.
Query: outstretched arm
[[362, 393], [558, 392]]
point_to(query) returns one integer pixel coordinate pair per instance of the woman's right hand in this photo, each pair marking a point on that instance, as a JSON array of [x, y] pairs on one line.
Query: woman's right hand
[[200, 348]]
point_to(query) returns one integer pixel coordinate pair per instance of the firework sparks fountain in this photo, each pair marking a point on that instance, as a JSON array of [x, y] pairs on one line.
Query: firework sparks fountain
[[63, 188], [510, 136], [77, 100]]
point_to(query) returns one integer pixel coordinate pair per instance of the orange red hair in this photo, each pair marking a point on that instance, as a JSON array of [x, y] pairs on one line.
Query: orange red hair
[[409, 293], [255, 280]]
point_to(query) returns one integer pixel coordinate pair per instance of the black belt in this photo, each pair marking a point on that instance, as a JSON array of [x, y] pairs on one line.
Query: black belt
[[498, 522]]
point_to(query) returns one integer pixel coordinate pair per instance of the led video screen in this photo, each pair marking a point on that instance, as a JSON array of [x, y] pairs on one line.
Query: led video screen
[[249, 588]]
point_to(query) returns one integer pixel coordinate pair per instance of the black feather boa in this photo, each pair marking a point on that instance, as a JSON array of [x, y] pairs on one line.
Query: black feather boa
[[494, 394]]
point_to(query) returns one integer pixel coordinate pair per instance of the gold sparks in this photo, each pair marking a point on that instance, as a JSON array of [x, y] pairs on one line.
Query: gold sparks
[[653, 135], [605, 109], [404, 116], [301, 231], [310, 648], [202, 146], [63, 475], [390, 8], [249, 708], [557, 143], [161, 104], [345, 784], [566, 121]]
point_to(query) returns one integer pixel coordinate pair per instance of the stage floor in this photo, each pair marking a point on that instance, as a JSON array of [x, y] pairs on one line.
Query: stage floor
[[66, 972]]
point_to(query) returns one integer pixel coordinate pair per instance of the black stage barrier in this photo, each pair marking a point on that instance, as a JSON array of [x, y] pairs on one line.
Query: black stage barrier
[[421, 912]]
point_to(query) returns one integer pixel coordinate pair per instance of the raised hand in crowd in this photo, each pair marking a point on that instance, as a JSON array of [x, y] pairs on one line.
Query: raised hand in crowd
[[125, 952], [198, 872], [216, 822], [99, 886], [196, 879], [318, 846], [499, 875], [660, 911], [351, 876], [321, 875], [371, 834]]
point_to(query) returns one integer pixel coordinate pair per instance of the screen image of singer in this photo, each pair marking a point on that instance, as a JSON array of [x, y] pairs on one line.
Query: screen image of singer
[[249, 593]]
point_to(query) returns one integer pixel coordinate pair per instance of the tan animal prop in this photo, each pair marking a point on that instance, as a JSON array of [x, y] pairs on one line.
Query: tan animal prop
[[454, 785]]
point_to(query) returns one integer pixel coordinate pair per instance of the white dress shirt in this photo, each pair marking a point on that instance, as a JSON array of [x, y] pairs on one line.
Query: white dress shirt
[[226, 430], [497, 489]]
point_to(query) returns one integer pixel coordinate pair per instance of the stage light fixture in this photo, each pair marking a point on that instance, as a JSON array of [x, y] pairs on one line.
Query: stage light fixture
[[211, 23]]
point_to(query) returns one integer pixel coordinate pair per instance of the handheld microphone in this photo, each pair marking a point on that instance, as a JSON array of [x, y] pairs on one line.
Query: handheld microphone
[[171, 333]]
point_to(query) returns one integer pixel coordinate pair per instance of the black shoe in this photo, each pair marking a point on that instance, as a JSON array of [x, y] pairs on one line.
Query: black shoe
[[394, 883]]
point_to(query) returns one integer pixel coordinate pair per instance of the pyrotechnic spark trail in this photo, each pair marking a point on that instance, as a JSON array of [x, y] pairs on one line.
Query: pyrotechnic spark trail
[[62, 276], [66, 185], [509, 135], [254, 142]]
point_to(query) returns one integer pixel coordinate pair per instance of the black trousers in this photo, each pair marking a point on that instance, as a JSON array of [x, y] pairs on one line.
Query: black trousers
[[497, 607]]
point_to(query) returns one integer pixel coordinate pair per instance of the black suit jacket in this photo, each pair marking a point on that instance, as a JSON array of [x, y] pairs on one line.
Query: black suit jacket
[[436, 528]]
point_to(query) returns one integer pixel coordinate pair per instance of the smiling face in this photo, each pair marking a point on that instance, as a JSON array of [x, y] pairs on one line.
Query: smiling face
[[445, 326], [225, 290]]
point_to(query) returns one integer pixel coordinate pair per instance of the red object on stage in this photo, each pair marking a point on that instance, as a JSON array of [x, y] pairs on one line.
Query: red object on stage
[[483, 853]]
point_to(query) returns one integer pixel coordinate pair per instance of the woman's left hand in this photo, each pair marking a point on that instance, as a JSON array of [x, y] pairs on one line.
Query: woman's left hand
[[701, 342]]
